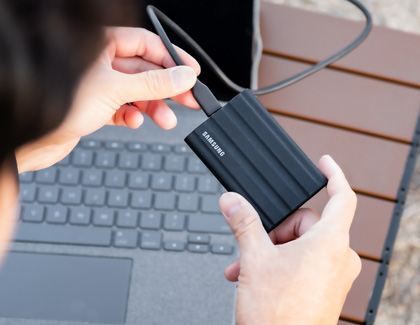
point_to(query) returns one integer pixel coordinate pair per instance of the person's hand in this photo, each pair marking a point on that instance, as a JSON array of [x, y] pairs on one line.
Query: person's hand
[[302, 271], [134, 68]]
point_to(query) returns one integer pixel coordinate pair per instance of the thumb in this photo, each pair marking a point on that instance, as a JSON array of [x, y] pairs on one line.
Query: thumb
[[244, 222], [154, 84]]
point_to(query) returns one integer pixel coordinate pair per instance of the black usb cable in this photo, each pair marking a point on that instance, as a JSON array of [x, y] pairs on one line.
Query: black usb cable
[[244, 147], [202, 93]]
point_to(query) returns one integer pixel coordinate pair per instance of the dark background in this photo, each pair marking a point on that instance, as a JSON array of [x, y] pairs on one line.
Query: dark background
[[223, 28]]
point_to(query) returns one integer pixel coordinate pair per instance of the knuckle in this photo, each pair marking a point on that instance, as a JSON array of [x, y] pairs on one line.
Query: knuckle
[[352, 197], [244, 221], [153, 82], [355, 263]]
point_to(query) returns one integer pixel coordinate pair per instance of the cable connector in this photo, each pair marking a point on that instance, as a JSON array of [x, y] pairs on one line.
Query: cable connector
[[205, 98], [202, 94]]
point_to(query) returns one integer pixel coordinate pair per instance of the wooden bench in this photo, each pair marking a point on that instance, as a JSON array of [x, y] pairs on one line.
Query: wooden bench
[[363, 111]]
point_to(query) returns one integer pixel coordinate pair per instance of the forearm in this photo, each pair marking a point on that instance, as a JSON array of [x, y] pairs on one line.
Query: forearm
[[44, 152]]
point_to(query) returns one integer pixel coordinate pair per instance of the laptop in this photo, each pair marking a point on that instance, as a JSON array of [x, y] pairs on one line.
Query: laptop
[[127, 228]]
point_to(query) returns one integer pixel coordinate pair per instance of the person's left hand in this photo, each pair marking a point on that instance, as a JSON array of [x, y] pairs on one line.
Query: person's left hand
[[134, 68]]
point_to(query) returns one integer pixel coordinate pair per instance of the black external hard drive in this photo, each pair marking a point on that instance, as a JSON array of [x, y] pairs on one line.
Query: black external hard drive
[[251, 154]]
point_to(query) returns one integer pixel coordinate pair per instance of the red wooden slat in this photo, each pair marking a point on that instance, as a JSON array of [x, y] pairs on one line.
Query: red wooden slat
[[310, 36], [370, 224], [342, 99], [357, 301], [372, 165]]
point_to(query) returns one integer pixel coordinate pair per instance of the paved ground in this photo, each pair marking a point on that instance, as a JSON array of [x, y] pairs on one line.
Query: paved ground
[[400, 304]]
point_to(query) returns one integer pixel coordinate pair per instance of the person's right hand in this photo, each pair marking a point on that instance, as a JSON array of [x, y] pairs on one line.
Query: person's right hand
[[302, 271]]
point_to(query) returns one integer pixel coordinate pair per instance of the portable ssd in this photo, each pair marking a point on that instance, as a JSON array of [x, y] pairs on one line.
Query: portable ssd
[[250, 153]]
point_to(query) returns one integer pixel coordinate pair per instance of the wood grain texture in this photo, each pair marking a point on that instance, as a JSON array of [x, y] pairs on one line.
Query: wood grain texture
[[308, 36], [342, 99]]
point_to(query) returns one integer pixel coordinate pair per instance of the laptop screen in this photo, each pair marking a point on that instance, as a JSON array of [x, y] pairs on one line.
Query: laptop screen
[[224, 29]]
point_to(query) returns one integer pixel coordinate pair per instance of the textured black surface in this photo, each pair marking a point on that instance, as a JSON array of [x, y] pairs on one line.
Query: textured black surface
[[249, 153]]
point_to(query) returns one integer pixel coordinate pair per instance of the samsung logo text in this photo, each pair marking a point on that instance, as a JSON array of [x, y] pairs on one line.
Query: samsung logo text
[[213, 143]]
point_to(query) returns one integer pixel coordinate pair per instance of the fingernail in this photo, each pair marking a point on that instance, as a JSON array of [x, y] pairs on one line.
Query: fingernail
[[232, 203], [183, 78]]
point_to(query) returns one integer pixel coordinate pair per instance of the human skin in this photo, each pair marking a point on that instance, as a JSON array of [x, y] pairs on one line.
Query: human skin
[[134, 68], [287, 277], [301, 272]]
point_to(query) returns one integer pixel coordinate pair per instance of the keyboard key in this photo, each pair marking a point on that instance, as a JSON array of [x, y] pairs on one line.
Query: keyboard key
[[95, 197], [141, 200], [208, 184], [164, 148], [26, 177], [137, 146], [65, 161], [89, 143], [150, 220], [48, 194], [208, 223], [56, 214], [199, 238], [162, 182], [138, 180], [82, 158], [92, 177], [195, 165], [174, 163], [113, 145], [33, 213], [127, 218], [225, 249], [185, 183], [126, 238], [105, 159], [188, 202], [46, 176], [69, 176], [71, 195], [117, 199], [151, 240], [115, 178], [128, 160], [103, 217], [151, 161], [165, 201], [210, 203], [198, 248], [174, 222], [79, 216], [27, 192], [175, 246], [182, 148], [55, 234]]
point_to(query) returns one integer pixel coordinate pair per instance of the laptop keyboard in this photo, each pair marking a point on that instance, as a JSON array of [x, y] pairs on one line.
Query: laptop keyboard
[[125, 195]]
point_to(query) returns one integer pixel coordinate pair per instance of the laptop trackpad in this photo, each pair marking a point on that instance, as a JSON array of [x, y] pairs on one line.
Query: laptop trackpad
[[64, 287]]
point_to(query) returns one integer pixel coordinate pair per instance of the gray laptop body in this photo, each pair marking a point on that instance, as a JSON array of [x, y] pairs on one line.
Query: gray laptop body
[[126, 230]]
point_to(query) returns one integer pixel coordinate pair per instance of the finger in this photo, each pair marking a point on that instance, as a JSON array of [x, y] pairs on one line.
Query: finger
[[131, 42], [187, 99], [342, 204], [128, 116], [136, 65], [133, 65], [244, 222], [232, 271], [133, 118], [159, 112], [151, 85], [294, 226]]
